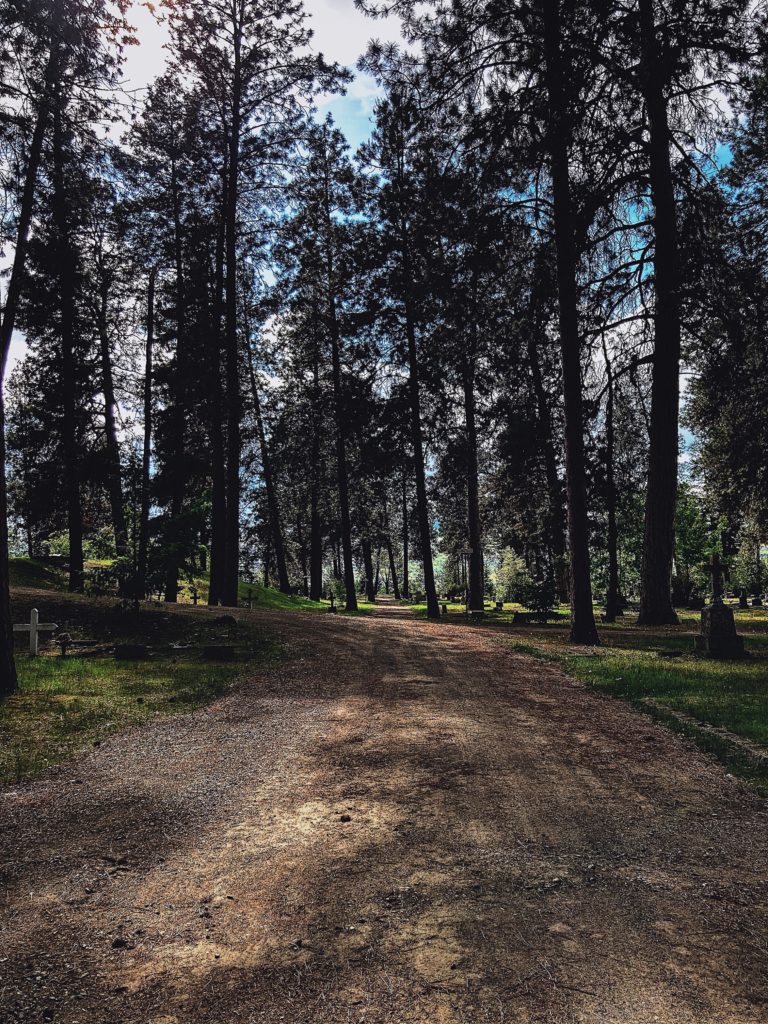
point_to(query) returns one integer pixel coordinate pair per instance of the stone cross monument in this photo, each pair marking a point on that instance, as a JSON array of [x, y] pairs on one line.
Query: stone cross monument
[[718, 637]]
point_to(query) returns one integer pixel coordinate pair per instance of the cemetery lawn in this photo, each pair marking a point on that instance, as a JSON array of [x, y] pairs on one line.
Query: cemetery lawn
[[721, 705], [66, 705]]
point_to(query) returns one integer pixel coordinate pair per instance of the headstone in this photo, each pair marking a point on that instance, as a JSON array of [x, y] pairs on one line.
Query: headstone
[[743, 602], [34, 629], [499, 606], [444, 609], [695, 603], [757, 602], [718, 637]]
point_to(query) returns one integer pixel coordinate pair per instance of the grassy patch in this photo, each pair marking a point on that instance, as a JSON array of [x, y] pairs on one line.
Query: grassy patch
[[26, 573], [65, 705], [656, 671]]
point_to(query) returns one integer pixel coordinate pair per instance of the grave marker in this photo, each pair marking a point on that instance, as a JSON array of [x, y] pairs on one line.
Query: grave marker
[[34, 628], [718, 637]]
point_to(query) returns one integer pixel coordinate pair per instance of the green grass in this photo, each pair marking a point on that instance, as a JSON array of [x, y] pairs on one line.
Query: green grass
[[657, 672], [65, 705], [37, 575]]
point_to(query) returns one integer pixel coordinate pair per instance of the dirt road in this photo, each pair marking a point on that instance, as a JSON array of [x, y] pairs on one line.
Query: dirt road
[[401, 822]]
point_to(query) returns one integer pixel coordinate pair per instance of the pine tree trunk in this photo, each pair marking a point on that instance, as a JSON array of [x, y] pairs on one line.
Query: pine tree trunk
[[422, 505], [556, 524], [393, 569], [406, 583], [234, 401], [302, 557], [273, 509], [146, 454], [66, 283], [339, 411], [114, 466], [656, 606], [583, 629], [612, 605], [179, 411], [8, 680], [315, 535], [218, 478], [476, 583], [370, 585]]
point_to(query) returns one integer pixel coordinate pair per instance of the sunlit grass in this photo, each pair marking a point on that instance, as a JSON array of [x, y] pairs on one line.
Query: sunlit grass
[[65, 705], [657, 671]]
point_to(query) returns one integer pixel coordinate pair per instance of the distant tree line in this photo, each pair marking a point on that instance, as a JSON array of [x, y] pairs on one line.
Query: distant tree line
[[450, 361]]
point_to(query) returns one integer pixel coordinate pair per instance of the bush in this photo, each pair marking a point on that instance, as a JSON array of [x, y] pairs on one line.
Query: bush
[[538, 595]]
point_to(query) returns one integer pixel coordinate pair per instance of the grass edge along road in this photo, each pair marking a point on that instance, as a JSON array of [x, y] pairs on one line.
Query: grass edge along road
[[721, 705], [65, 705]]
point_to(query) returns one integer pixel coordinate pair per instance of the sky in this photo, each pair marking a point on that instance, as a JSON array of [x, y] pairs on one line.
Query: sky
[[341, 33]]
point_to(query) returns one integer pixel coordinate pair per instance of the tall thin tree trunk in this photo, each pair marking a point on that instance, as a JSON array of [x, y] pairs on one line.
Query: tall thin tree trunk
[[218, 476], [273, 508], [315, 535], [66, 283], [476, 583], [557, 525], [612, 605], [338, 404], [8, 680], [406, 583], [393, 568], [234, 400], [583, 628], [114, 466], [370, 585], [422, 504], [146, 454], [300, 540], [656, 606], [179, 411]]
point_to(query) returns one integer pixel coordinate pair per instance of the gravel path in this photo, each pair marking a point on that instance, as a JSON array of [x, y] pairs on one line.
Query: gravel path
[[400, 822]]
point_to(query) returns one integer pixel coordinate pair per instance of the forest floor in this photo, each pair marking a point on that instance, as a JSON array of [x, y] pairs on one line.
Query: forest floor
[[397, 821]]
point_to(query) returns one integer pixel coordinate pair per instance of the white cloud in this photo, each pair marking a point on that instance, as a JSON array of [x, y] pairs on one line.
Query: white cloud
[[342, 32]]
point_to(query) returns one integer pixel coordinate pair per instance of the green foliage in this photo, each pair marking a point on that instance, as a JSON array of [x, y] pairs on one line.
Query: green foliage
[[692, 544], [539, 595], [511, 580]]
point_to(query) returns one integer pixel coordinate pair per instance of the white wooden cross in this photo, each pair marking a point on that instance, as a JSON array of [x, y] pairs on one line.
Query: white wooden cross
[[34, 628]]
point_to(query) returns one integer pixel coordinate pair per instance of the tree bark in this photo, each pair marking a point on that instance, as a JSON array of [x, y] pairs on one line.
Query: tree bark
[[476, 583], [422, 505], [179, 413], [341, 441], [218, 477], [656, 606], [557, 525], [234, 401], [146, 454], [406, 583], [114, 466], [583, 628], [612, 603], [273, 509], [315, 536], [393, 569], [8, 680], [66, 282], [370, 585]]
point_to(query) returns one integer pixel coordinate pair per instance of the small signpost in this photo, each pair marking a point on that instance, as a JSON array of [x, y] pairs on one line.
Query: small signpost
[[34, 629]]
